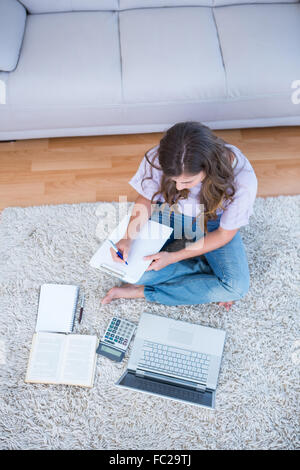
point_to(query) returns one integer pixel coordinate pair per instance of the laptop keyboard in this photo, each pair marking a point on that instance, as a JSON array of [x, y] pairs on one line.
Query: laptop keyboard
[[175, 361]]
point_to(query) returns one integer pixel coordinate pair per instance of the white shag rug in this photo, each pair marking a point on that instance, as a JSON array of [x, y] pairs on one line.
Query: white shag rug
[[257, 402]]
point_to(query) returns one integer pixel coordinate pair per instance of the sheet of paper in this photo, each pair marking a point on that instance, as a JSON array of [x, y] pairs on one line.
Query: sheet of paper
[[151, 239]]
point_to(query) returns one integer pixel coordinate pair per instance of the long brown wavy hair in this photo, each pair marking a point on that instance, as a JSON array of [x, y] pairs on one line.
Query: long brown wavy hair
[[189, 148]]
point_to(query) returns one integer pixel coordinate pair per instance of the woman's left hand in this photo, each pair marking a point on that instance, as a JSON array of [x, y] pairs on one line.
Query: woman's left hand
[[159, 260]]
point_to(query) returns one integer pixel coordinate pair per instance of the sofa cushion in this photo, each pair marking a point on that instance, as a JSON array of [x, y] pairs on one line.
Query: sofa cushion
[[127, 4], [12, 27], [170, 54], [51, 6], [239, 2], [68, 59], [260, 46]]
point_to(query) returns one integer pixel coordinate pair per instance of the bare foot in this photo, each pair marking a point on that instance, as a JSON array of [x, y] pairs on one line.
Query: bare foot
[[127, 291], [227, 305]]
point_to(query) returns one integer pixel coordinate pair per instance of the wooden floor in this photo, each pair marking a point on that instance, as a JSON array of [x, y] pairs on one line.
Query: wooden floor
[[98, 168]]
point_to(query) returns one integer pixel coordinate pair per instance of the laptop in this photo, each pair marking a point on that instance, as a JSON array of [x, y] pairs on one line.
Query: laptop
[[175, 360]]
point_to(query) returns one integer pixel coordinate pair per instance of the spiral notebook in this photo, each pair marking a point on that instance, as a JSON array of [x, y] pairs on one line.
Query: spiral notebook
[[57, 308]]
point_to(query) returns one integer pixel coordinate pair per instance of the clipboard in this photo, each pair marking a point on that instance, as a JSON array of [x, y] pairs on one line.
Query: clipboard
[[150, 240]]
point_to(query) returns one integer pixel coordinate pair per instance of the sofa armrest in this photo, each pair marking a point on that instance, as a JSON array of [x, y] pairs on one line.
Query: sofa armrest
[[12, 27]]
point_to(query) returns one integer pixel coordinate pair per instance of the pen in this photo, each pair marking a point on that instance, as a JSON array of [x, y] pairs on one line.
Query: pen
[[81, 308], [117, 251]]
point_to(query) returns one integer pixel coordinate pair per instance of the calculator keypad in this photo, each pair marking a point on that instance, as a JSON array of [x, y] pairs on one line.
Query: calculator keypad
[[119, 332]]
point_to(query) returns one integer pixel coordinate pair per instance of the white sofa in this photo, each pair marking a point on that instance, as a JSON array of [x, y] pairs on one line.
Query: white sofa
[[91, 67]]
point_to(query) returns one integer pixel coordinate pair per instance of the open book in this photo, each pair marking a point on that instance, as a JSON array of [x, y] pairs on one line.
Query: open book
[[62, 359], [150, 240], [57, 357]]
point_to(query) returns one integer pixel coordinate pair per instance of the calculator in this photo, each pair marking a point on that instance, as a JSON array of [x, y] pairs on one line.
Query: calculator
[[116, 339]]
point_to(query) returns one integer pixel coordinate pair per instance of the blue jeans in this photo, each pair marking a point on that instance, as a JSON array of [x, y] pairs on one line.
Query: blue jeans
[[218, 276]]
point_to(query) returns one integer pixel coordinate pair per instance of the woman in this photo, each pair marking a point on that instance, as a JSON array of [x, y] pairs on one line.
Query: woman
[[196, 177]]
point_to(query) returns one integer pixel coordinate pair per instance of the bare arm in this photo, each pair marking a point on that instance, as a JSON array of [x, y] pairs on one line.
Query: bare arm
[[141, 212], [210, 242]]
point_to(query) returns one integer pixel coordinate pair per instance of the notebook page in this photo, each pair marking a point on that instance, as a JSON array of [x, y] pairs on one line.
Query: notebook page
[[151, 238], [57, 306], [103, 255]]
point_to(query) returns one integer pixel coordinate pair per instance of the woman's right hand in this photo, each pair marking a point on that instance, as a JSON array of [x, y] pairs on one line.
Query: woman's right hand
[[123, 246]]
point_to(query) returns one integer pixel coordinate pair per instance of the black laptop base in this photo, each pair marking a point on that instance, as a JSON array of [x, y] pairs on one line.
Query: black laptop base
[[145, 384]]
